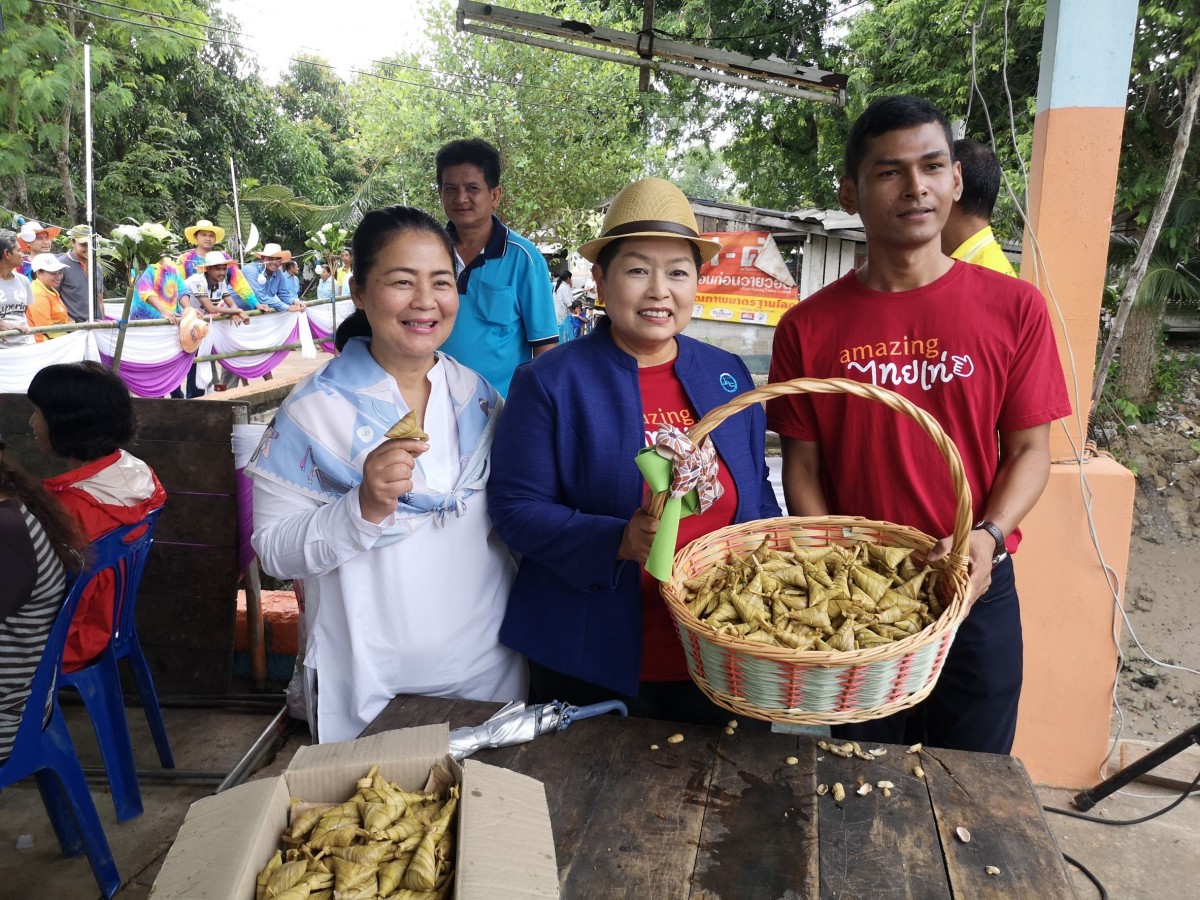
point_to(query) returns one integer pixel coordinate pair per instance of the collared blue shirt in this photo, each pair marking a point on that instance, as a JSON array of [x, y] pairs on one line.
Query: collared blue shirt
[[505, 306], [273, 289]]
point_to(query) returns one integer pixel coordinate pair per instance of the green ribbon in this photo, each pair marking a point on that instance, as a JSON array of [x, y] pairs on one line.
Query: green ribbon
[[656, 470]]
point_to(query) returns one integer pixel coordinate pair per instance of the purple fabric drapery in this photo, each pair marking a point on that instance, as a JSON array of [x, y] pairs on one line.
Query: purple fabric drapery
[[153, 379], [245, 501], [245, 369], [322, 338]]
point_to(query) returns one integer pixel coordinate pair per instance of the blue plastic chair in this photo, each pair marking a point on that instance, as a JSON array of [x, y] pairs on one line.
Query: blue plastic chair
[[42, 747], [99, 682]]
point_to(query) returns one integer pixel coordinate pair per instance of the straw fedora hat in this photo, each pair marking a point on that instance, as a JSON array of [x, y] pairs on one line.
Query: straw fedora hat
[[651, 207], [275, 250], [203, 225], [192, 329]]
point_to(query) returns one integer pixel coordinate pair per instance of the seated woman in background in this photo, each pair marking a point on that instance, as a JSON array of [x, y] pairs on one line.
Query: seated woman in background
[[566, 494], [39, 544], [84, 415], [405, 582]]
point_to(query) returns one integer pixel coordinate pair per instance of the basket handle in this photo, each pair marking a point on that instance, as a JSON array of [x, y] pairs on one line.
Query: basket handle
[[890, 399]]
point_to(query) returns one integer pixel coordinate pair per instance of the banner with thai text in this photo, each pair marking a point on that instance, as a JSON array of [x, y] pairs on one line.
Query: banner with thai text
[[748, 283]]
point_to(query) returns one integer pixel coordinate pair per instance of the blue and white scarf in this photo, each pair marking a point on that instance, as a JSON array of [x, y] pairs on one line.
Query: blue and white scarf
[[324, 430]]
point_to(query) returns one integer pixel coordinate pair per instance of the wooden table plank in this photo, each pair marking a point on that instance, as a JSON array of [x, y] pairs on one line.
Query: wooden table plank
[[575, 766], [719, 817], [876, 846], [642, 841], [759, 837], [991, 796]]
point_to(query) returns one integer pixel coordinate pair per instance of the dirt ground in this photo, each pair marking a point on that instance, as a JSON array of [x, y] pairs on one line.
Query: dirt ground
[[1162, 603], [1162, 599]]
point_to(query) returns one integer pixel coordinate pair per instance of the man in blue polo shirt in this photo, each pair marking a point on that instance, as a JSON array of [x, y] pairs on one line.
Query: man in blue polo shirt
[[270, 282], [506, 306]]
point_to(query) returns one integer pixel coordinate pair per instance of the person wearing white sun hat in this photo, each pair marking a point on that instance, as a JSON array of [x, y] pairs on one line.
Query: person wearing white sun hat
[[47, 307], [211, 288], [270, 282], [35, 238], [566, 494]]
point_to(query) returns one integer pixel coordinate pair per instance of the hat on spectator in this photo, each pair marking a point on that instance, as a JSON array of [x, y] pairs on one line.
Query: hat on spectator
[[203, 225], [275, 250], [80, 234], [652, 207], [46, 262], [213, 258], [31, 230]]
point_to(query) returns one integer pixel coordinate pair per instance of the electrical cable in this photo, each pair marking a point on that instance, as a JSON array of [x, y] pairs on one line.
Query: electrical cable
[[1187, 792], [514, 84], [164, 16], [1087, 874]]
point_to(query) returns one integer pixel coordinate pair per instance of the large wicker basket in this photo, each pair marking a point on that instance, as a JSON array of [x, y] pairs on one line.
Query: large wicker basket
[[815, 687]]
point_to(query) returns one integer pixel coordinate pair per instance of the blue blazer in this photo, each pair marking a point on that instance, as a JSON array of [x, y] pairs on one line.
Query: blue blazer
[[564, 485]]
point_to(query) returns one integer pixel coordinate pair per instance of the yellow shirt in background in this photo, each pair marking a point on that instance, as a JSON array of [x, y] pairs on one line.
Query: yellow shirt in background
[[341, 279], [982, 249]]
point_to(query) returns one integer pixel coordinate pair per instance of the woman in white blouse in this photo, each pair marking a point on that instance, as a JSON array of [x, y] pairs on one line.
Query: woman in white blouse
[[405, 582]]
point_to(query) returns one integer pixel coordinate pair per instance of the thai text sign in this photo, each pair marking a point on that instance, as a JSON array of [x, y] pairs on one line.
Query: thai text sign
[[742, 285]]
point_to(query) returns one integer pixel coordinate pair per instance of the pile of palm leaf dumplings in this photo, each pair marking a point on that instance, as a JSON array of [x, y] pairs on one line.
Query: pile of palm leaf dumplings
[[828, 598], [381, 843]]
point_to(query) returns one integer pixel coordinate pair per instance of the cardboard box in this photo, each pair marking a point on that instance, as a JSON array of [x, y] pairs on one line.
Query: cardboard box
[[505, 846]]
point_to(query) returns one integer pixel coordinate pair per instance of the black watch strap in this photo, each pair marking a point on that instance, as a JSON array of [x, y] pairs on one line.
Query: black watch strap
[[997, 535]]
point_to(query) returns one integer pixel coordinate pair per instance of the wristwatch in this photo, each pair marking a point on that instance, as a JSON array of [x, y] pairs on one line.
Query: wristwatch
[[997, 535]]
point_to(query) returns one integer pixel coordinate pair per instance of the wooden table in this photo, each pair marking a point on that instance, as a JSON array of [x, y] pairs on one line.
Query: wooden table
[[727, 816]]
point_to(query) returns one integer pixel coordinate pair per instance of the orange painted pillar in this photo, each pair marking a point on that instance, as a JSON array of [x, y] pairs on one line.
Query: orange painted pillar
[[1067, 604]]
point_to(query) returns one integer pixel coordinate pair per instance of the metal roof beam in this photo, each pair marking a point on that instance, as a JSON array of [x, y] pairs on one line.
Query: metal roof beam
[[772, 75]]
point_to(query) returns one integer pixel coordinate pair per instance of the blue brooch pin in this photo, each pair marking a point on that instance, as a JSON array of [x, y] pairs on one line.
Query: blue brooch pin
[[728, 382]]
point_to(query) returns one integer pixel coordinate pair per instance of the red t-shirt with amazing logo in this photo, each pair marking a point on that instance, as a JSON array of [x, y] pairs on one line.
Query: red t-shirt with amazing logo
[[974, 348], [664, 401]]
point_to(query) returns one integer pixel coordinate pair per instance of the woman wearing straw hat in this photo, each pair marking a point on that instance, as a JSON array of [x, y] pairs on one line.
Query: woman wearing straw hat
[[566, 494]]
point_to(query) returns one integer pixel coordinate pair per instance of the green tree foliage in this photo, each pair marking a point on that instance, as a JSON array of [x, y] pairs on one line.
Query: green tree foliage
[[41, 110], [977, 60], [782, 152], [570, 129], [1166, 52]]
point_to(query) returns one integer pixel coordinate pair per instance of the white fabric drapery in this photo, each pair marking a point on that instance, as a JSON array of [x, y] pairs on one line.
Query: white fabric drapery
[[19, 364], [321, 317], [261, 331]]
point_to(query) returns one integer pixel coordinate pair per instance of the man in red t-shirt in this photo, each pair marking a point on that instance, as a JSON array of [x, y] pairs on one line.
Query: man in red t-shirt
[[970, 346]]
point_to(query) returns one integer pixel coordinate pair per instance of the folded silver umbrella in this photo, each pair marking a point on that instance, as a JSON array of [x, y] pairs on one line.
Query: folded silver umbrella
[[517, 723]]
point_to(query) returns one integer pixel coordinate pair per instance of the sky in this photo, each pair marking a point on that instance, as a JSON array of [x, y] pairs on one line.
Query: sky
[[348, 33]]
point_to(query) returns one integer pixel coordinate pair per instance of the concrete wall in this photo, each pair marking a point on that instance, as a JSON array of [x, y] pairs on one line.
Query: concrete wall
[[1067, 615]]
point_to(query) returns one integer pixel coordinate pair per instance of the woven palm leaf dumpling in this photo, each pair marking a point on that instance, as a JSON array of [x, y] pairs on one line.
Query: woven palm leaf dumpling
[[829, 598]]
